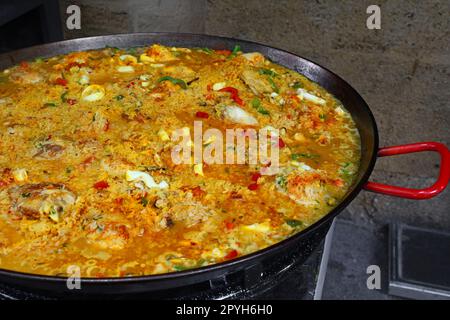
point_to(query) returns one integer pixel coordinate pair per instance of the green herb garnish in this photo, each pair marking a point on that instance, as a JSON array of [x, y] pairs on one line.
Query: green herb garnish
[[179, 82], [113, 49], [270, 75], [268, 72], [293, 223], [257, 105], [131, 51], [346, 174], [297, 85], [144, 202], [207, 50], [63, 96], [273, 85], [69, 169], [281, 182], [235, 51], [119, 97], [180, 267]]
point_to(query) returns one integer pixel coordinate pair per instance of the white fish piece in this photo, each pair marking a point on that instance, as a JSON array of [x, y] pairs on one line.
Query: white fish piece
[[238, 115], [303, 94], [146, 179]]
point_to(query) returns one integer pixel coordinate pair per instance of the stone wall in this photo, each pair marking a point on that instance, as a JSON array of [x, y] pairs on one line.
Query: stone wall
[[100, 17]]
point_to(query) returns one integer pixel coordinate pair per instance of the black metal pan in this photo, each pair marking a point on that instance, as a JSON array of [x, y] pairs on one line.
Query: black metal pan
[[300, 244]]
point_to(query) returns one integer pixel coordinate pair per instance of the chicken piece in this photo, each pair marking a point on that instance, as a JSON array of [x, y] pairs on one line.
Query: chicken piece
[[254, 58], [306, 188], [256, 82], [26, 77], [36, 201], [108, 236], [181, 72], [189, 213], [48, 151], [158, 53], [182, 208], [100, 123], [302, 184], [106, 231]]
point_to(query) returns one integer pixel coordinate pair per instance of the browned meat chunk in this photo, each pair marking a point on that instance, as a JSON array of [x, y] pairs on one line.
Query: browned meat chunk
[[35, 201], [257, 83]]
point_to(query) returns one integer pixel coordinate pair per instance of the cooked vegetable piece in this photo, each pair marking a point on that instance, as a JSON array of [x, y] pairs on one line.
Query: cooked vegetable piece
[[179, 82]]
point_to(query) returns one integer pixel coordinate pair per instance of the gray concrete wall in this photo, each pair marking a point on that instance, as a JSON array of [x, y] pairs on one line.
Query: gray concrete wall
[[402, 70], [100, 17]]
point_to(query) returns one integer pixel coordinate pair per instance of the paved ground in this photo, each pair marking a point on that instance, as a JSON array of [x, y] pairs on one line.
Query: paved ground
[[402, 71]]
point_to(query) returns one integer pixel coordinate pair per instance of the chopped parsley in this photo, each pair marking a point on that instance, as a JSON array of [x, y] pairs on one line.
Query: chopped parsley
[[235, 51], [294, 223], [257, 105], [144, 202]]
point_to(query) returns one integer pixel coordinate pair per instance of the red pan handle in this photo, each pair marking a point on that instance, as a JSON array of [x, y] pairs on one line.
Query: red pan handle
[[427, 193]]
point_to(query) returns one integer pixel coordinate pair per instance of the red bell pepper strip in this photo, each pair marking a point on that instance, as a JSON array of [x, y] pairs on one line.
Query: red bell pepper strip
[[234, 94], [61, 81], [101, 185], [252, 186], [223, 52], [201, 114], [232, 254], [256, 176], [229, 225]]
